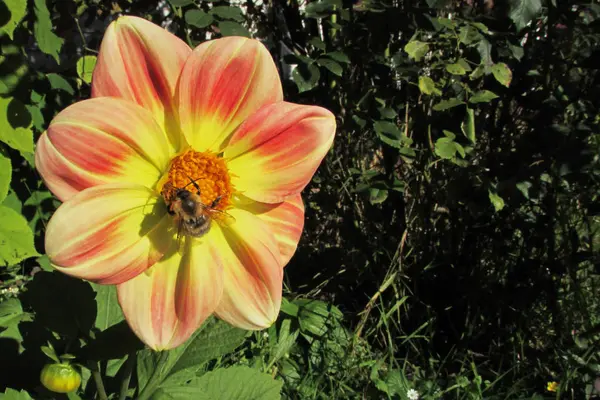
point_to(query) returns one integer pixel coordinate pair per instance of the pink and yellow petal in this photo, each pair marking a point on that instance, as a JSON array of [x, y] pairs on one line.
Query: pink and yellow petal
[[100, 141], [286, 221], [141, 62], [252, 272], [167, 303], [223, 82], [276, 151], [109, 234]]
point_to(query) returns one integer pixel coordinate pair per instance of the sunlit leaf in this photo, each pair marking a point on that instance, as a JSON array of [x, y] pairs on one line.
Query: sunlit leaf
[[427, 86], [85, 68], [17, 10], [502, 73], [497, 201], [16, 238], [446, 104], [5, 175], [47, 40], [306, 76], [416, 49], [483, 96]]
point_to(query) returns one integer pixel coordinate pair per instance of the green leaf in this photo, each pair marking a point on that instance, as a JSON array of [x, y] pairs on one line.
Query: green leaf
[[377, 196], [416, 49], [502, 73], [228, 12], [47, 41], [496, 200], [339, 57], [108, 310], [468, 125], [11, 315], [456, 69], [306, 76], [13, 67], [15, 123], [215, 339], [5, 175], [469, 34], [331, 65], [484, 48], [17, 10], [483, 96], [522, 12], [16, 239], [198, 18], [445, 148], [230, 28], [234, 383], [314, 316], [85, 68], [446, 104], [57, 82], [12, 394], [317, 43], [181, 3], [427, 86]]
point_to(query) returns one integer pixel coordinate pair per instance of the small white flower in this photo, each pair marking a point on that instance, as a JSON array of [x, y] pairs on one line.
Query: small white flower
[[265, 335], [412, 394]]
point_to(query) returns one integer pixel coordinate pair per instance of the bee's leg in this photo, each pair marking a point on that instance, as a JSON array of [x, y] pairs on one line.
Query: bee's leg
[[215, 202]]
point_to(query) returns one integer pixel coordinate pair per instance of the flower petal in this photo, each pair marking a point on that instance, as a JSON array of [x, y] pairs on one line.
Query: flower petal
[[276, 151], [167, 303], [109, 234], [100, 141], [252, 273], [286, 221], [222, 83], [141, 62]]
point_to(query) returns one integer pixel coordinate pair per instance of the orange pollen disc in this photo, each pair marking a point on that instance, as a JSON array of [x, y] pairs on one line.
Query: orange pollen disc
[[207, 170]]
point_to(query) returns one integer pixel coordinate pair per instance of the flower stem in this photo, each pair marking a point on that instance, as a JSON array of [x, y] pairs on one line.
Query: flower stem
[[99, 385], [128, 370]]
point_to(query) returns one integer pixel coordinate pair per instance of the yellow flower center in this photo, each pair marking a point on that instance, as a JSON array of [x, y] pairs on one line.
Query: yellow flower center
[[204, 174]]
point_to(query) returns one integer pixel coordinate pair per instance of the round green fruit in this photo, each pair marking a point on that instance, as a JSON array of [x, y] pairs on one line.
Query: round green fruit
[[60, 377]]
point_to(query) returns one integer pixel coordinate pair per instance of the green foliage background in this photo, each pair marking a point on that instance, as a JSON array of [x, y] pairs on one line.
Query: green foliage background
[[451, 236]]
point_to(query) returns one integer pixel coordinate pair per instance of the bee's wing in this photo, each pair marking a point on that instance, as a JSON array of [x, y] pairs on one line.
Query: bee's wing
[[221, 217]]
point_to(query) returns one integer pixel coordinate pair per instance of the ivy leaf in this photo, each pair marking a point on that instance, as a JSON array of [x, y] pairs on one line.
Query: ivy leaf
[[57, 82], [330, 65], [228, 12], [15, 125], [47, 41], [306, 76], [497, 201], [446, 104], [483, 96], [416, 49], [5, 175], [230, 28], [85, 68], [522, 12], [339, 57], [17, 10], [445, 148], [502, 73], [181, 3], [234, 383], [198, 18], [456, 69], [427, 86], [16, 238]]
